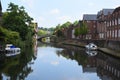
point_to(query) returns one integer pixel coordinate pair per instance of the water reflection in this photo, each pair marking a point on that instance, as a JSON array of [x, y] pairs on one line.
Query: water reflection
[[17, 67], [91, 52], [106, 67], [59, 62]]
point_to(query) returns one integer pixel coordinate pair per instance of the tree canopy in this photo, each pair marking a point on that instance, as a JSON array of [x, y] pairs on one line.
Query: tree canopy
[[81, 30], [17, 19], [8, 36]]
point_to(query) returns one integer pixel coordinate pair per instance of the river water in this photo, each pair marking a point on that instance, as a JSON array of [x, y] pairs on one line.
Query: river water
[[58, 62]]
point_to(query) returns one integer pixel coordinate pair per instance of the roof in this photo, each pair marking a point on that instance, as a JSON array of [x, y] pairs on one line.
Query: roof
[[117, 9], [105, 11], [89, 17]]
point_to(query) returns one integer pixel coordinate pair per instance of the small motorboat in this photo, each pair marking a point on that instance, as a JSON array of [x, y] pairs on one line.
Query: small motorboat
[[91, 46], [10, 48]]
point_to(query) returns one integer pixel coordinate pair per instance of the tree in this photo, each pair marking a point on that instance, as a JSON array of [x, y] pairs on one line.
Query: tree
[[83, 30], [41, 32], [75, 23], [76, 33], [66, 25], [59, 33], [8, 36], [16, 19]]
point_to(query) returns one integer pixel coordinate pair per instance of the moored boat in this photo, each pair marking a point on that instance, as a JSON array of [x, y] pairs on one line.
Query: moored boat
[[11, 48], [91, 46]]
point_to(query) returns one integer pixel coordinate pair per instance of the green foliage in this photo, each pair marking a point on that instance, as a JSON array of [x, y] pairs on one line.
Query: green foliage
[[8, 36], [41, 32], [82, 30], [59, 33], [66, 25], [58, 30], [76, 33], [75, 23], [16, 19]]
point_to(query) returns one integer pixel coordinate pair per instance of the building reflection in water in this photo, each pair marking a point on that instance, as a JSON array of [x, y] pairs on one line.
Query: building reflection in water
[[106, 67]]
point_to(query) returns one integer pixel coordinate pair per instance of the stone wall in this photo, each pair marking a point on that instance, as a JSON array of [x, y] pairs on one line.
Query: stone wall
[[115, 45]]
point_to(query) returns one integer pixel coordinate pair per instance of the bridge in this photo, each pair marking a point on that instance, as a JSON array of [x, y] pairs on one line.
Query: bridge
[[43, 36]]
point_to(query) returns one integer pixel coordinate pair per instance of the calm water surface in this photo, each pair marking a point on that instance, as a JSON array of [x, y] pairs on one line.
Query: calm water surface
[[60, 63]]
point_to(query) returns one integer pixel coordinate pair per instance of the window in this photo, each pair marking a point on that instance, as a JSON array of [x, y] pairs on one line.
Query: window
[[107, 24], [115, 33], [118, 20], [107, 33], [110, 32], [119, 33], [115, 21], [110, 23]]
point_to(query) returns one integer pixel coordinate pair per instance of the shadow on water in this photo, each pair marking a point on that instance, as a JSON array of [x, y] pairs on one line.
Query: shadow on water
[[106, 67]]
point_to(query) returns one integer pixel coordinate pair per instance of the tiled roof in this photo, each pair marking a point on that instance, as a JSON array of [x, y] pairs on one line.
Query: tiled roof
[[105, 11], [117, 9], [89, 17]]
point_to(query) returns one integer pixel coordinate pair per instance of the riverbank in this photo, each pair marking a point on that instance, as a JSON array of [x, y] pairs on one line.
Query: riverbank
[[79, 44]]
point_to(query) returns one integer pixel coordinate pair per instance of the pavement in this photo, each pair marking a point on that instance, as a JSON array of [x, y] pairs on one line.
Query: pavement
[[110, 52]]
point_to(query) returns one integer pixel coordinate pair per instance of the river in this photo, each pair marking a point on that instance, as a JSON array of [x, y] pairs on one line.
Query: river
[[58, 62]]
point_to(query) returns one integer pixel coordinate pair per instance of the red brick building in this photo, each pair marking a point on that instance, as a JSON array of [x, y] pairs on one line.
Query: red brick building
[[102, 22], [113, 25], [91, 22]]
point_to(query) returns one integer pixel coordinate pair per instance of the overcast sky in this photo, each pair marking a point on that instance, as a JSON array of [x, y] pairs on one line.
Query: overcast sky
[[49, 13]]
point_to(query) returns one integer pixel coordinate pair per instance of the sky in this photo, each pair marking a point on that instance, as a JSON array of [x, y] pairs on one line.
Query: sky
[[50, 13]]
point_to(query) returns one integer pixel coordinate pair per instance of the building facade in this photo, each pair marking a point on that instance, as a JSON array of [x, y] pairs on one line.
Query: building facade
[[91, 22], [113, 25], [102, 23]]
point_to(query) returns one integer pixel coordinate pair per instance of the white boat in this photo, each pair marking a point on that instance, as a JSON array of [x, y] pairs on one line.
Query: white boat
[[91, 46], [12, 49]]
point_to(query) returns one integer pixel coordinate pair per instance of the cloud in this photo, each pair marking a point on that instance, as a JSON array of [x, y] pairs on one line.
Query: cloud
[[55, 63], [90, 4], [41, 19], [55, 11], [29, 3], [64, 19]]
